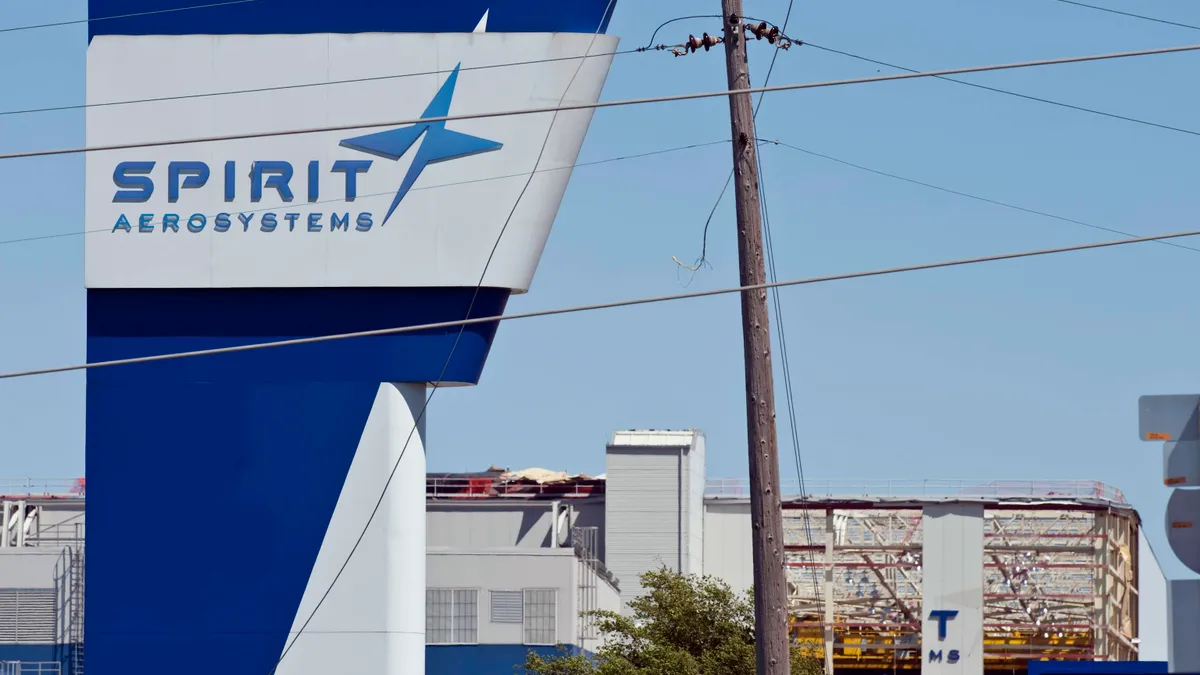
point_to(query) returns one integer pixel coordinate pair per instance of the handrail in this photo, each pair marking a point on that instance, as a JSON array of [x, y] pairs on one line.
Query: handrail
[[43, 487], [484, 487], [1004, 489]]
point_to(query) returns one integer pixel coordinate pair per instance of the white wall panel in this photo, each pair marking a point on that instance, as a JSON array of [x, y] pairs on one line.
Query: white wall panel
[[953, 582]]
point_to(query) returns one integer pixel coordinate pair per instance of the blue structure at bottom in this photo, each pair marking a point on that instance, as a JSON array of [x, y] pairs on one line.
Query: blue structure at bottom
[[1097, 667], [487, 659], [261, 443], [42, 657]]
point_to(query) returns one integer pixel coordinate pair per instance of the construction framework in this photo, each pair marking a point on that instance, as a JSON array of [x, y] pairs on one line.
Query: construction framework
[[1060, 576]]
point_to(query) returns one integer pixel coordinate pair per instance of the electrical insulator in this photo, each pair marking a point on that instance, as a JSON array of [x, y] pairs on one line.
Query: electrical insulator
[[708, 41], [762, 30]]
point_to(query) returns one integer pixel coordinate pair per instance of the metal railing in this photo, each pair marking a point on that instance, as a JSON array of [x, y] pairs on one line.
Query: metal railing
[[30, 668], [480, 488], [42, 487], [1046, 489], [63, 533]]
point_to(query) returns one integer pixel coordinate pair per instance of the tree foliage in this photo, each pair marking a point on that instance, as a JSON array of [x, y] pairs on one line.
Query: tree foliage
[[683, 625]]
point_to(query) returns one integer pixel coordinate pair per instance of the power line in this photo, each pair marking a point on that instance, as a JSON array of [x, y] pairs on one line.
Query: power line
[[305, 85], [676, 19], [152, 12], [586, 308], [649, 46], [996, 202], [449, 357], [1009, 92], [611, 104], [650, 43], [607, 160], [1129, 14]]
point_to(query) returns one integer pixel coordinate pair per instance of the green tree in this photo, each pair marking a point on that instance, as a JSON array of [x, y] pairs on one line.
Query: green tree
[[683, 625]]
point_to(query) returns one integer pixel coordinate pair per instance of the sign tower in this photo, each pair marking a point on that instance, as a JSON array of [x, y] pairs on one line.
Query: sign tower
[[248, 477]]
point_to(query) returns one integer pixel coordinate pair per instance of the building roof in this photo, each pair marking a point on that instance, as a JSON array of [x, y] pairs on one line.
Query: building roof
[[533, 483], [540, 483]]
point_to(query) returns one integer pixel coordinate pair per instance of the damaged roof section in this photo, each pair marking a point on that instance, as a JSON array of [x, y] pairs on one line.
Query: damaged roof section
[[532, 483]]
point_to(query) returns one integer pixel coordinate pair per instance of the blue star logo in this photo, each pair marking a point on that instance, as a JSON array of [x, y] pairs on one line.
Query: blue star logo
[[440, 144]]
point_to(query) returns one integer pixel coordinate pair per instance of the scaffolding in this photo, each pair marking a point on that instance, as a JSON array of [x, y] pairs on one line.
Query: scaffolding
[[1060, 578]]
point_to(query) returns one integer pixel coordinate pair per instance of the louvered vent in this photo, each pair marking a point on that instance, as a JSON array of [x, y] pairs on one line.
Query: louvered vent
[[508, 607], [28, 616]]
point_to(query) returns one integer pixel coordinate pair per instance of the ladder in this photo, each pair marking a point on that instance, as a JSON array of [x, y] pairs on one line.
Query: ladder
[[75, 622]]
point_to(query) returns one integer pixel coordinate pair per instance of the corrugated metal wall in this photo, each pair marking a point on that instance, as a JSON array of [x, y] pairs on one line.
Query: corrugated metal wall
[[654, 509], [643, 514]]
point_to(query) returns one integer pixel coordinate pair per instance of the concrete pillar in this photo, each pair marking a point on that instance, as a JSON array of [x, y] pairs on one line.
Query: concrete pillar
[[952, 604], [373, 620], [1183, 626]]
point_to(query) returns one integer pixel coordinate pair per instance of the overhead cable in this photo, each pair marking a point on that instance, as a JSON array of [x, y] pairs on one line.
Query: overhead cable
[[151, 12], [986, 200], [649, 46], [587, 308], [1129, 14], [707, 41], [1009, 92], [306, 85], [610, 104]]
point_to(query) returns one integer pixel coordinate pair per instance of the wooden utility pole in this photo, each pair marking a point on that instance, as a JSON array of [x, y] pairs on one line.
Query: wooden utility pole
[[770, 572]]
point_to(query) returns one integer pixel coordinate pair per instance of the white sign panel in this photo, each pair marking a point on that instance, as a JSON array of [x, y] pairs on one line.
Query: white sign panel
[[391, 205], [952, 598], [1183, 527]]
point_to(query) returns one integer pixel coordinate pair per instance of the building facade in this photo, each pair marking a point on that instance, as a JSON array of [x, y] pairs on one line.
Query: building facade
[[42, 577], [515, 561]]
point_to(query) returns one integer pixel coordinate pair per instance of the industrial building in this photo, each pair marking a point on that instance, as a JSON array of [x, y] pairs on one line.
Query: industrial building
[[514, 557]]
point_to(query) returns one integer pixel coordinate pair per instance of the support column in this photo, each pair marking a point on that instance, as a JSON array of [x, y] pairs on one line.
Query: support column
[[1183, 625], [828, 622], [952, 601], [1101, 609], [373, 621]]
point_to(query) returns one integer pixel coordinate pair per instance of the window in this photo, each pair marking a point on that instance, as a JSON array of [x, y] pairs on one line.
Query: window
[[508, 607], [451, 616], [541, 616]]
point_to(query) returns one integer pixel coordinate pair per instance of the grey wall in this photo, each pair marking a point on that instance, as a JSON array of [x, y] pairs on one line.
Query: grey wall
[[469, 525], [480, 525], [36, 568], [30, 567], [508, 570], [653, 506], [727, 553]]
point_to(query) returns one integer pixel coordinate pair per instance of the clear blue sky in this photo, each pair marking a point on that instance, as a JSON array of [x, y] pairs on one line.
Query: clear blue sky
[[1015, 370]]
